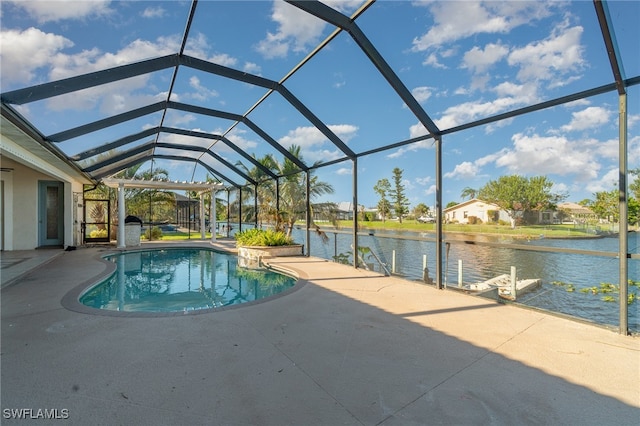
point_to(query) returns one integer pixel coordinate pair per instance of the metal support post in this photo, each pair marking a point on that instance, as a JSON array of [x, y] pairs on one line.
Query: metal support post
[[121, 242], [308, 213], [203, 230], [355, 211], [623, 235], [439, 260], [212, 216]]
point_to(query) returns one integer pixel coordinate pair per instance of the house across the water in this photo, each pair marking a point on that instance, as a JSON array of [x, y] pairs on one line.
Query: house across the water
[[479, 211]]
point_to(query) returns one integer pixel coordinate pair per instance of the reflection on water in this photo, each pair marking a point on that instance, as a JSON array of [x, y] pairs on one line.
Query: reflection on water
[[181, 280], [480, 262]]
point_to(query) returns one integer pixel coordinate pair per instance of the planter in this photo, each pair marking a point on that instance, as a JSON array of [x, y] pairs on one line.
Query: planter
[[251, 257]]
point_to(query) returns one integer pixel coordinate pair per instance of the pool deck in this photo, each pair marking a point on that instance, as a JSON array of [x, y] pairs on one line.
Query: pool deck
[[349, 347]]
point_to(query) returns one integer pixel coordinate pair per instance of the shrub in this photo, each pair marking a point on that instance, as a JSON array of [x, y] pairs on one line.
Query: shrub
[[474, 220], [98, 233], [156, 233], [262, 237]]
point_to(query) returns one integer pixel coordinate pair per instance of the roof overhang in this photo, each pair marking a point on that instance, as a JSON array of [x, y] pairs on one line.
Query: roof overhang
[[21, 144]]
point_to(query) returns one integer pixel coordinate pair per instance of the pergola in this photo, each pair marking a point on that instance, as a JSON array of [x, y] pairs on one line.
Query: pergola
[[202, 187], [107, 159]]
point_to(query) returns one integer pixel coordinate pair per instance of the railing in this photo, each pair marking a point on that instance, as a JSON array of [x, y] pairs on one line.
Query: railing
[[381, 264]]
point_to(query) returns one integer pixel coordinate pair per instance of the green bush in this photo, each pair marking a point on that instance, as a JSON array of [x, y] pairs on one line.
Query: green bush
[[262, 237], [474, 220], [98, 233], [156, 233]]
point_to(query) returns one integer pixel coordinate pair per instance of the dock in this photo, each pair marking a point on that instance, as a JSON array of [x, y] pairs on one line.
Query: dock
[[503, 288]]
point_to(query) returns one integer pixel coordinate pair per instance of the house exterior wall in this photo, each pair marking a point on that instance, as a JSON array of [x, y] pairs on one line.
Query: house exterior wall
[[480, 209], [21, 206]]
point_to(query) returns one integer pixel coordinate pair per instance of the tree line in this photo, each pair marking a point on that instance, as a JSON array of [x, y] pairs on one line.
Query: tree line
[[515, 195]]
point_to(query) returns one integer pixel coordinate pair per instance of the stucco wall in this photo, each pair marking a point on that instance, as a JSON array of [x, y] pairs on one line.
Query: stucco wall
[[25, 205], [22, 204]]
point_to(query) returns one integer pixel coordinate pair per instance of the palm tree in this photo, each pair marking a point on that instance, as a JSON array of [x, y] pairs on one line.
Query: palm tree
[[469, 193], [292, 192], [266, 191]]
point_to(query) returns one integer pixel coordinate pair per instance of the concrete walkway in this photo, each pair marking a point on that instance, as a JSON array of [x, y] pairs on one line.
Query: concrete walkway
[[16, 264], [347, 348]]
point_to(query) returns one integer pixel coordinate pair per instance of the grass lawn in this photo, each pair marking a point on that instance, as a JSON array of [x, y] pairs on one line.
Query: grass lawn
[[550, 231], [179, 236]]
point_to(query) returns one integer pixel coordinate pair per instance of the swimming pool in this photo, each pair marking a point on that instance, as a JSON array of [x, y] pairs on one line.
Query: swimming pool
[[181, 280]]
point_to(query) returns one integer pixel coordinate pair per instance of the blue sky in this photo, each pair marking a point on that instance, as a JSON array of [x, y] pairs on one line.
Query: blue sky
[[462, 60]]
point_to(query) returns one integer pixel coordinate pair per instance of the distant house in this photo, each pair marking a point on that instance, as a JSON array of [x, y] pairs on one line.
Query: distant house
[[487, 212], [466, 211], [344, 211], [575, 213]]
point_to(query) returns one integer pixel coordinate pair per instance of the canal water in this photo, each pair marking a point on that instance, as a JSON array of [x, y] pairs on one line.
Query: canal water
[[572, 284]]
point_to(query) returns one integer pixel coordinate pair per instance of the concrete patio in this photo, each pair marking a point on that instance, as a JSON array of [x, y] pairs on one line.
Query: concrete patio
[[349, 347]]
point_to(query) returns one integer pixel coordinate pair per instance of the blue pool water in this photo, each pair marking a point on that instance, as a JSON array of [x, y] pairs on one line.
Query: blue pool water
[[174, 280]]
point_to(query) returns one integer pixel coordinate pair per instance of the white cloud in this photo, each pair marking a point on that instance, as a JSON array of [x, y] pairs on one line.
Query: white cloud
[[432, 60], [452, 22], [464, 170], [526, 93], [559, 188], [423, 181], [174, 118], [492, 127], [417, 130], [407, 184], [550, 155], [252, 68], [57, 10], [153, 12], [201, 93], [223, 59], [422, 93], [552, 58], [64, 66], [470, 111], [479, 60], [310, 140], [425, 144], [343, 6], [479, 82], [186, 140], [431, 190], [311, 136], [607, 182], [344, 171], [46, 51], [23, 52], [589, 118], [239, 137], [296, 30], [632, 120], [577, 104]]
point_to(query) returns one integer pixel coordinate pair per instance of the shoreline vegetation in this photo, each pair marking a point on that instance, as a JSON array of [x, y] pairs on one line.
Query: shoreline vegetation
[[555, 231], [559, 231]]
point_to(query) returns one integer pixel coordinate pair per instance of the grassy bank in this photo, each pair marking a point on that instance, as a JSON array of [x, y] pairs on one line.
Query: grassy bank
[[548, 231], [179, 236], [534, 231]]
